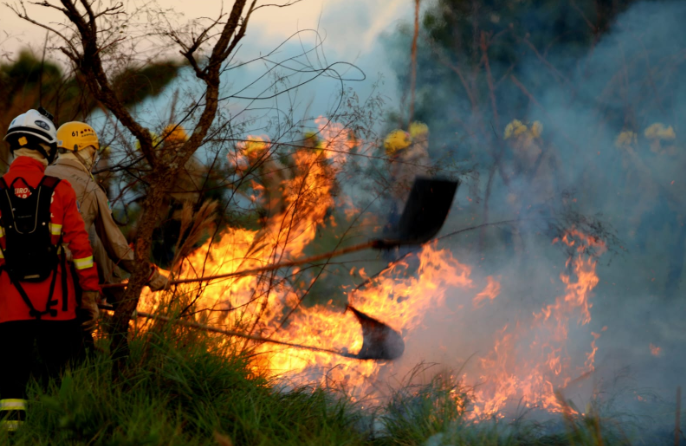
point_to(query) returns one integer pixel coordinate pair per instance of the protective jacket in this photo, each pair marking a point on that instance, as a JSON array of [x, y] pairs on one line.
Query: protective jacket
[[406, 165], [96, 213], [66, 225]]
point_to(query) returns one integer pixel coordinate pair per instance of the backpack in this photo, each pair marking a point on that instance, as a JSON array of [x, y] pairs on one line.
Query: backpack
[[30, 255]]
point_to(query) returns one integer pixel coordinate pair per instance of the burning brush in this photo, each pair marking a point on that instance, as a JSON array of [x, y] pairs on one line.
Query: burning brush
[[423, 216]]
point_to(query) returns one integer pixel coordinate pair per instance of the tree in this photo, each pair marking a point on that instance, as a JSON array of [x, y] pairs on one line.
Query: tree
[[483, 63], [90, 41], [30, 81]]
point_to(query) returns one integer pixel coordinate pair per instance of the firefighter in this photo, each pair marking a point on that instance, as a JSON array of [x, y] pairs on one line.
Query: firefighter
[[186, 189], [408, 155], [528, 162], [78, 145], [534, 170], [261, 166], [665, 162], [39, 218]]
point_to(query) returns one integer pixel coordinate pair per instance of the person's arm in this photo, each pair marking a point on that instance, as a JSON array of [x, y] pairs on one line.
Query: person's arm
[[116, 246], [110, 235]]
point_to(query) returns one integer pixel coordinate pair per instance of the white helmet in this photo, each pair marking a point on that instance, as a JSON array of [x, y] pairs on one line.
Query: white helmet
[[32, 128]]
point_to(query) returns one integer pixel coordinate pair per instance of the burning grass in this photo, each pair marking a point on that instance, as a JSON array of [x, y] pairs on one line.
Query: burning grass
[[525, 360], [190, 388], [186, 386]]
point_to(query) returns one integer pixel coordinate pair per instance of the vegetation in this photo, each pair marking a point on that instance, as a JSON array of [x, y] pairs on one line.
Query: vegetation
[[181, 389], [184, 387], [500, 61], [30, 81]]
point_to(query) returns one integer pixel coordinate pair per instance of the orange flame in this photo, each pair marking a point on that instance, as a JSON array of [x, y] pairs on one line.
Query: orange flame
[[655, 350], [401, 297], [511, 373], [491, 291]]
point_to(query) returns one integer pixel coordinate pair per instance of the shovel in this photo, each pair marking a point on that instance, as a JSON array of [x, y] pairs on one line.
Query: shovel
[[380, 342], [425, 212]]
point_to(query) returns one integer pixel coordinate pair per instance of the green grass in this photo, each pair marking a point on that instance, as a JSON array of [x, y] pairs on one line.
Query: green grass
[[188, 388], [181, 389]]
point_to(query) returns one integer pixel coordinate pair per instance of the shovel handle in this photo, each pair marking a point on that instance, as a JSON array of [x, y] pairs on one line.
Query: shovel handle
[[231, 333], [376, 244]]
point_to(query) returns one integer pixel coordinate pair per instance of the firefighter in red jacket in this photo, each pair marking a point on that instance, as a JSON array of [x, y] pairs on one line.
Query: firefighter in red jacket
[[39, 225]]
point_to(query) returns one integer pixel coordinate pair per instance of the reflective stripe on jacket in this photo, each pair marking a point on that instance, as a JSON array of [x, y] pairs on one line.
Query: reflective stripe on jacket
[[66, 222]]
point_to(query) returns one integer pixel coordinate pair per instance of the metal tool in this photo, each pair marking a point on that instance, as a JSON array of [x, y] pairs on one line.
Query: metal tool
[[380, 342], [425, 212]]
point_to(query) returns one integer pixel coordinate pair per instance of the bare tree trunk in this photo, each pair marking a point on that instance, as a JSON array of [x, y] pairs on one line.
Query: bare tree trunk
[[496, 121], [153, 205], [413, 74], [165, 165]]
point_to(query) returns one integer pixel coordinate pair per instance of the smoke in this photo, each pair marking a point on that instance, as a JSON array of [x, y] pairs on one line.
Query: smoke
[[574, 175], [631, 77]]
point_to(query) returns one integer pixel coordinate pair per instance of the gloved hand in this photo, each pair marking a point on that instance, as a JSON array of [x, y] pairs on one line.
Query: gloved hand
[[157, 282], [89, 312]]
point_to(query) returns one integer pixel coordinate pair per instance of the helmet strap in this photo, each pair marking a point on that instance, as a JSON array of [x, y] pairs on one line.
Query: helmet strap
[[88, 164], [50, 153]]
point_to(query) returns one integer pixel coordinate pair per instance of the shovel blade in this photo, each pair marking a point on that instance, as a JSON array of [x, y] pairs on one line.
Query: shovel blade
[[425, 212], [380, 342]]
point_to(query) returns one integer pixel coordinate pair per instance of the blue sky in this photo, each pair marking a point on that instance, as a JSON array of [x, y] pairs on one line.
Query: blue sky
[[350, 30]]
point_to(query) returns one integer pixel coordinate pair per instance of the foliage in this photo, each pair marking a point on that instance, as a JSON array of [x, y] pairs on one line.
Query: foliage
[[31, 81], [182, 388], [466, 43]]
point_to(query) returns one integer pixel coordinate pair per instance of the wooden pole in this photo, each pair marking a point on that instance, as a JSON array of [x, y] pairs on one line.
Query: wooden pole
[[340, 252], [237, 334]]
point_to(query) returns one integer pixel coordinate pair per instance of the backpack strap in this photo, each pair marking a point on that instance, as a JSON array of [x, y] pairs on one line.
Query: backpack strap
[[47, 187], [5, 205], [65, 290], [49, 182], [48, 306], [43, 209], [3, 187]]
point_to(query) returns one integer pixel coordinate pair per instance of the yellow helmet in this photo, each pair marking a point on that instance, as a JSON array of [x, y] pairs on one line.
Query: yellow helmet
[[626, 138], [75, 136], [155, 140], [254, 145], [174, 134], [659, 131], [418, 129], [397, 140], [516, 128]]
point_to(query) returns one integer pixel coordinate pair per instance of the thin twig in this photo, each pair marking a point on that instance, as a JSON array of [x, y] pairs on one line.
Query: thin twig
[[413, 74]]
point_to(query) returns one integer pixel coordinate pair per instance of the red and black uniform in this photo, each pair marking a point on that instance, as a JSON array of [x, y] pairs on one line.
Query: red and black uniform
[[57, 333]]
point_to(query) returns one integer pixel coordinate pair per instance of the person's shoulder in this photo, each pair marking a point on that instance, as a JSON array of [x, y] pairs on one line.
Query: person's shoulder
[[64, 189]]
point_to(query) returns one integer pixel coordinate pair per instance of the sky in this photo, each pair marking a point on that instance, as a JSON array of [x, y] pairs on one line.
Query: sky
[[350, 30], [344, 21]]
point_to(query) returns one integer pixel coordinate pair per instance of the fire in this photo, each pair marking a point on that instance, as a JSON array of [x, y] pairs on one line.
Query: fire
[[491, 291], [655, 350], [532, 375], [528, 362]]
